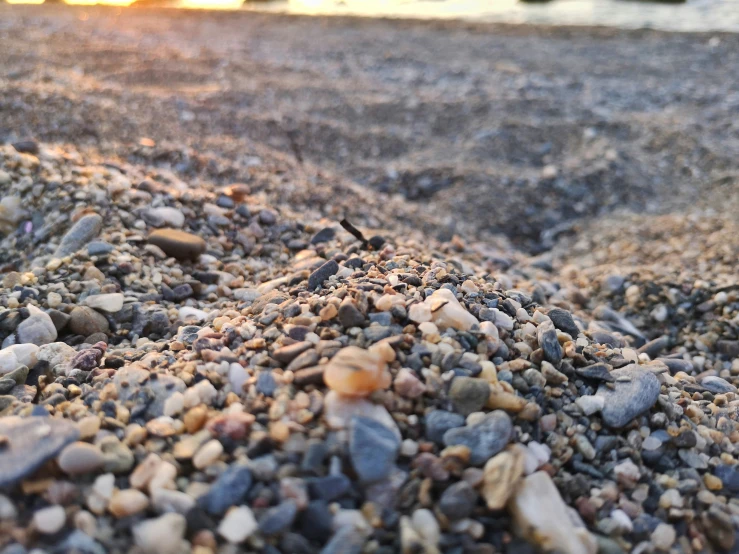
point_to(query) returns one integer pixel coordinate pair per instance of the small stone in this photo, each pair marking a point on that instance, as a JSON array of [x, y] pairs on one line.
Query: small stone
[[446, 311], [279, 518], [538, 507], [57, 354], [439, 422], [29, 443], [635, 392], [110, 303], [178, 244], [188, 313], [228, 490], [165, 215], [17, 355], [590, 404], [339, 411], [406, 384], [82, 232], [717, 385], [166, 500], [86, 321], [552, 376], [79, 458], [549, 342], [458, 501], [373, 449], [36, 329], [468, 394], [349, 314], [49, 520], [128, 502], [207, 454], [317, 278], [354, 371], [485, 438], [99, 248], [238, 525], [663, 537], [501, 475], [162, 535], [562, 320]]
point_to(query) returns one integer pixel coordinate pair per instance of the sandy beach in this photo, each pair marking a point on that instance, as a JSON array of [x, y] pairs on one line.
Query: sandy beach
[[290, 284]]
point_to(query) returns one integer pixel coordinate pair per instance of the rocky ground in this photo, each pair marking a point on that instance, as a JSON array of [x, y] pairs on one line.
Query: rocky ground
[[220, 333]]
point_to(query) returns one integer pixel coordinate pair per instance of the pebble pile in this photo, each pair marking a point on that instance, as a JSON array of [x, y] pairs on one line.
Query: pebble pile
[[217, 368]]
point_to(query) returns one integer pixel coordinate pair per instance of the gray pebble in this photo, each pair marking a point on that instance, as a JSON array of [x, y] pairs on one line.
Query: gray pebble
[[634, 392], [82, 232], [485, 438], [317, 278], [373, 449]]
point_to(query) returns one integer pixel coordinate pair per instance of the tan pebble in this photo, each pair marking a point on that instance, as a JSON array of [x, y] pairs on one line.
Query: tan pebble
[[135, 434], [80, 457], [88, 426], [328, 312], [164, 477], [712, 482], [85, 522], [128, 502], [195, 419], [207, 454], [500, 476], [502, 400], [174, 404], [356, 372], [279, 431], [145, 471]]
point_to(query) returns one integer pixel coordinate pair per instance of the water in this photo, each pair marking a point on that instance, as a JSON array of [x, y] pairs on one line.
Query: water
[[694, 15]]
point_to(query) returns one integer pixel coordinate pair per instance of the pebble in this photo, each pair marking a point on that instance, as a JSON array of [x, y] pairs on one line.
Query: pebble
[[79, 458], [485, 438], [228, 490], [538, 507], [178, 244], [458, 501], [166, 215], [207, 454], [36, 329], [339, 411], [629, 398], [439, 422], [87, 228], [468, 394], [546, 335], [278, 518], [128, 502], [373, 449], [407, 385], [562, 320], [162, 535], [86, 321], [49, 521], [590, 404], [17, 355], [110, 303], [354, 371], [349, 314], [321, 274], [29, 443], [446, 311], [99, 248], [663, 537], [717, 385], [501, 475], [238, 525]]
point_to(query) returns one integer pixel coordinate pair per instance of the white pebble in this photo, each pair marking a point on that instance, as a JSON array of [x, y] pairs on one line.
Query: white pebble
[[49, 520]]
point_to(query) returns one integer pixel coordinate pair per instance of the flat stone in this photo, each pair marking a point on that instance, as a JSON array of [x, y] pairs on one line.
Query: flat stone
[[546, 335], [86, 321], [629, 398], [373, 449], [537, 507], [110, 303], [562, 320], [278, 518], [178, 244], [717, 385], [79, 458], [228, 490], [485, 438], [317, 278], [99, 248], [30, 442], [87, 228]]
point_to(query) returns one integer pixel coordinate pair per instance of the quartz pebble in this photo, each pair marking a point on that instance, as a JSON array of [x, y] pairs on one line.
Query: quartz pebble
[[162, 535], [105, 302], [356, 372], [238, 525], [49, 520]]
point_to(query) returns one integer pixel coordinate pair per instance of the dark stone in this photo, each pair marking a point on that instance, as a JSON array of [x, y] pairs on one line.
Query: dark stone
[[458, 501], [99, 248], [350, 316], [485, 438], [324, 235], [628, 399], [27, 146], [330, 487], [596, 372], [228, 490], [373, 449], [717, 385], [655, 347], [376, 242], [677, 364], [549, 343], [563, 321], [313, 457], [317, 278], [59, 319], [469, 395], [316, 521], [729, 476], [279, 518], [439, 422], [728, 348]]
